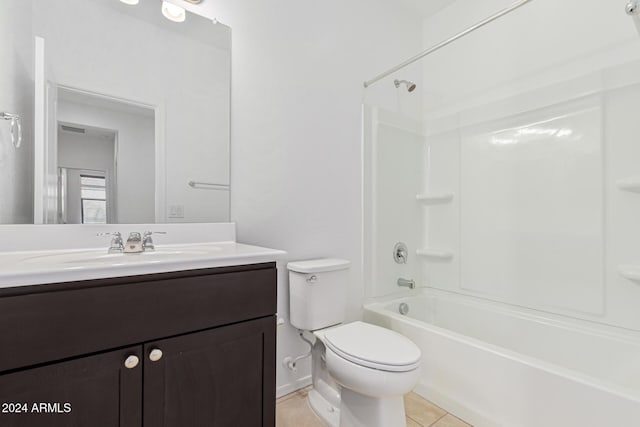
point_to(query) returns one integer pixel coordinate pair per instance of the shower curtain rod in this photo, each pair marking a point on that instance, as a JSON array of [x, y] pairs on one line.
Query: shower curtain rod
[[442, 44]]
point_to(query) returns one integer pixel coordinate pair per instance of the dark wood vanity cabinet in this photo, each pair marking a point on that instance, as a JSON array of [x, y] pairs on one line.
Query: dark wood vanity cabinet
[[211, 378], [97, 391], [186, 349]]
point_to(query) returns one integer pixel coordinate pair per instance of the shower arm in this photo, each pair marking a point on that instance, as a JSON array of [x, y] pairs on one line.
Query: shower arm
[[444, 43]]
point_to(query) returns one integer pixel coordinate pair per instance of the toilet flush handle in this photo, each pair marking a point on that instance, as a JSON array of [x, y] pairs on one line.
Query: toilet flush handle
[[312, 279]]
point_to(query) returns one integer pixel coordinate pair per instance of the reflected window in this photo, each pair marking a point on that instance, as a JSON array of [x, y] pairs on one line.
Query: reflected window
[[93, 197]]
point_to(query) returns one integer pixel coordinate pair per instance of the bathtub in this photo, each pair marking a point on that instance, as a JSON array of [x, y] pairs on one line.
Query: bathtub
[[496, 365]]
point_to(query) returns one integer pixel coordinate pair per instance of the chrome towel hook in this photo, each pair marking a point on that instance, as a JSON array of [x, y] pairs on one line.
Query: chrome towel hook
[[16, 127]]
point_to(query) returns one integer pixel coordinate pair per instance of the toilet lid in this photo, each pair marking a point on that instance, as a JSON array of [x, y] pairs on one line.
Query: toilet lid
[[373, 347]]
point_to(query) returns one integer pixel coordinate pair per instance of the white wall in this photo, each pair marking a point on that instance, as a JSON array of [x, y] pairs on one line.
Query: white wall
[[297, 95], [135, 174], [298, 69], [92, 152], [16, 96], [134, 53]]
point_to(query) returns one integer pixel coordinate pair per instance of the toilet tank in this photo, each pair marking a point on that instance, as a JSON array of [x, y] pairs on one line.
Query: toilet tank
[[317, 292]]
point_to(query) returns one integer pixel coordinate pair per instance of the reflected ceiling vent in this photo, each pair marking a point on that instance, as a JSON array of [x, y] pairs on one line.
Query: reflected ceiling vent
[[73, 129]]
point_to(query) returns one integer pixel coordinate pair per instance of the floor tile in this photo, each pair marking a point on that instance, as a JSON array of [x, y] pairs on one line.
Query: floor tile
[[302, 392], [294, 411], [450, 421], [422, 411]]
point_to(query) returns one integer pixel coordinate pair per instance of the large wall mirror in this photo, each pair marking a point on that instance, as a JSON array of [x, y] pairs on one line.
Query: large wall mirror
[[125, 114]]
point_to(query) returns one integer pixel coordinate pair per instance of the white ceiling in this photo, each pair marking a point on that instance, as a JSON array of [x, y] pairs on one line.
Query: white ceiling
[[425, 8]]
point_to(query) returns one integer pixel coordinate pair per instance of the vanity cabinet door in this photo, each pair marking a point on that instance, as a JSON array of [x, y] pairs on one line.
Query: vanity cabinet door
[[221, 377], [96, 391]]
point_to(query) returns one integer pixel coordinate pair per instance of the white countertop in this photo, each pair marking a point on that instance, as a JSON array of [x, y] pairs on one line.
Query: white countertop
[[56, 266]]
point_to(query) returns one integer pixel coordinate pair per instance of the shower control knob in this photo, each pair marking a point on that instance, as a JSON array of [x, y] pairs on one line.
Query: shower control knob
[[400, 253], [155, 355], [131, 362]]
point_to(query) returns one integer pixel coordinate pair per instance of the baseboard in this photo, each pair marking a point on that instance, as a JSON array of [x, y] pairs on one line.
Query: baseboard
[[285, 389]]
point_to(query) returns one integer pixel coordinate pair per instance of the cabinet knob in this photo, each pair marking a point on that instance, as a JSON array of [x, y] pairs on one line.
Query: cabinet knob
[[131, 362], [155, 355]]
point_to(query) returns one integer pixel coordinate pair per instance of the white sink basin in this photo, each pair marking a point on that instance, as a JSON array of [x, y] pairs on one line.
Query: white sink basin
[[23, 268], [103, 258]]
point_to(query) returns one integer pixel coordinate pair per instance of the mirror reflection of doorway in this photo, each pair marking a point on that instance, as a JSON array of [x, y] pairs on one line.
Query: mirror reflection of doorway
[[105, 160], [86, 174]]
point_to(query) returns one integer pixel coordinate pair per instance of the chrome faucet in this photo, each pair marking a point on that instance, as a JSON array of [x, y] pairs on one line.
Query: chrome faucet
[[147, 240], [407, 283], [116, 246], [136, 242]]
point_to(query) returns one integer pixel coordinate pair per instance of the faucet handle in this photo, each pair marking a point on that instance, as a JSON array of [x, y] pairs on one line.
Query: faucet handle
[[114, 234], [149, 233], [400, 253], [147, 241], [117, 245]]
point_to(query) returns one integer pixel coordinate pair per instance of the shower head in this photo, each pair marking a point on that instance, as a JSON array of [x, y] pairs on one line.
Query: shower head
[[411, 86], [633, 10]]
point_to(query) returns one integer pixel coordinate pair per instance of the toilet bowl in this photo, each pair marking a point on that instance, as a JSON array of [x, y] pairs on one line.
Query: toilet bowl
[[375, 367], [360, 371]]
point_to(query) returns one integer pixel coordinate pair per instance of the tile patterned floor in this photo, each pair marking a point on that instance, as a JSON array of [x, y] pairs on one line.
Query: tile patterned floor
[[293, 411]]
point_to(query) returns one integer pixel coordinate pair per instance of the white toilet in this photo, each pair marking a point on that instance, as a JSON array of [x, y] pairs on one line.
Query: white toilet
[[360, 371]]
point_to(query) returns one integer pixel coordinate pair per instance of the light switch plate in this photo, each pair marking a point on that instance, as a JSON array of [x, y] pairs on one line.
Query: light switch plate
[[176, 211]]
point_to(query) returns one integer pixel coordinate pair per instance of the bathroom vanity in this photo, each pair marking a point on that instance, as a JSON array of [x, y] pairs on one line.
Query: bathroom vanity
[[194, 347]]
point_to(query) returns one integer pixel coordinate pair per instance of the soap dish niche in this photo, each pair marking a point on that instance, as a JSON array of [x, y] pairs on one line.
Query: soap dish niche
[[630, 272], [435, 254], [434, 198], [629, 184]]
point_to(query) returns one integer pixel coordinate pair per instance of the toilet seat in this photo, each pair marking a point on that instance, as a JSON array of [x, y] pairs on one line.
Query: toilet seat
[[373, 347]]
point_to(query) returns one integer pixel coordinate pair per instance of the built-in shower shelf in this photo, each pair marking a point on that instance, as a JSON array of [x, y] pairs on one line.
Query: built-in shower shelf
[[631, 272], [435, 254], [629, 184], [434, 198]]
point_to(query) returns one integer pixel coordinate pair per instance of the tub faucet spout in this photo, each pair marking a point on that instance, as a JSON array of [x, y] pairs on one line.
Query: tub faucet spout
[[407, 283]]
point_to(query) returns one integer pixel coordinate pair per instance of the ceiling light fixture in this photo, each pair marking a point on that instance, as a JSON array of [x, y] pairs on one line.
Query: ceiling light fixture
[[130, 2], [173, 12]]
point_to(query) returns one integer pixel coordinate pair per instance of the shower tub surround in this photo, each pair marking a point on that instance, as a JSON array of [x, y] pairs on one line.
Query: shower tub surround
[[494, 365], [519, 212]]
